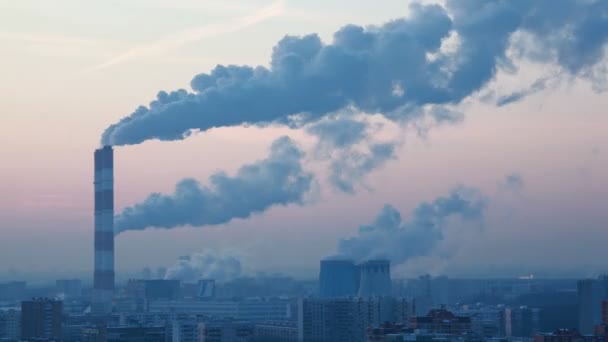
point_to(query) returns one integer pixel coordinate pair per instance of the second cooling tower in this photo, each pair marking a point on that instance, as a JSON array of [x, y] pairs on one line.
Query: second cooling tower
[[375, 278]]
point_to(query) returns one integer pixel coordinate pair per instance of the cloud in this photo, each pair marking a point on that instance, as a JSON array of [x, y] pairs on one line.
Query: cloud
[[391, 237], [277, 180]]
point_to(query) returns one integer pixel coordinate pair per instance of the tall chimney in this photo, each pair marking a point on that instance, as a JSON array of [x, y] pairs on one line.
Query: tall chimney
[[103, 288]]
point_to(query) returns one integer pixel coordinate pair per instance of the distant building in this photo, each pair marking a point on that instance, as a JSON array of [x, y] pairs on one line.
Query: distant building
[[242, 310], [424, 295], [41, 319], [567, 335], [97, 334], [338, 278], [206, 289], [225, 331], [441, 321], [383, 332], [591, 292], [68, 287], [284, 331], [136, 334], [524, 321], [486, 321], [203, 289], [347, 319], [329, 320], [557, 308], [185, 330], [161, 289], [140, 292], [161, 272], [10, 324]]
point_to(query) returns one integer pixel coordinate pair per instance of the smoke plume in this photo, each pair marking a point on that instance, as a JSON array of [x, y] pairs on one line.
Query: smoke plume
[[351, 146], [277, 180], [380, 69], [192, 268], [390, 237]]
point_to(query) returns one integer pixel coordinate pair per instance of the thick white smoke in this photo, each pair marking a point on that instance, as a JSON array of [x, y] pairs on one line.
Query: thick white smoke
[[276, 180], [206, 265], [381, 69], [397, 240]]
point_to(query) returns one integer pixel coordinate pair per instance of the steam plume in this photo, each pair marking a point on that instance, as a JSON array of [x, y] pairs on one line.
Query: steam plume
[[379, 69], [192, 268], [277, 180], [349, 143], [390, 237]]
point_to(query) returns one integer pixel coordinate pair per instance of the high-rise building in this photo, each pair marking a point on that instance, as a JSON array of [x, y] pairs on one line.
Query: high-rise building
[[41, 319], [524, 321], [375, 278], [326, 320], [10, 325], [103, 288], [347, 319], [423, 295], [591, 292], [338, 278]]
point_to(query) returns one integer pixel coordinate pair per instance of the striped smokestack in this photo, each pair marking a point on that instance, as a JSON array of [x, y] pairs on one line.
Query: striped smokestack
[[103, 287]]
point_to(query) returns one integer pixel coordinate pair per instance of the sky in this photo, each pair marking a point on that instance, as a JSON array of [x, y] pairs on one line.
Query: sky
[[69, 70]]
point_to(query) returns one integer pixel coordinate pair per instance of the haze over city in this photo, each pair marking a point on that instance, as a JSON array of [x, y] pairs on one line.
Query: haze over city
[[70, 70], [281, 170]]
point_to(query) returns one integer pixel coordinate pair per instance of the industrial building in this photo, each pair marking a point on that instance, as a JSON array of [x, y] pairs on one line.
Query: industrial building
[[343, 278], [338, 278], [375, 278]]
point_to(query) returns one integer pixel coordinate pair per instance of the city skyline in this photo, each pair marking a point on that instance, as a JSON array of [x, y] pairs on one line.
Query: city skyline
[[530, 143]]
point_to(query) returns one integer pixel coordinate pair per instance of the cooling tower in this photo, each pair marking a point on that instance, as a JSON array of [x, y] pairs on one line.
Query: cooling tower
[[338, 278], [375, 278], [103, 287]]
